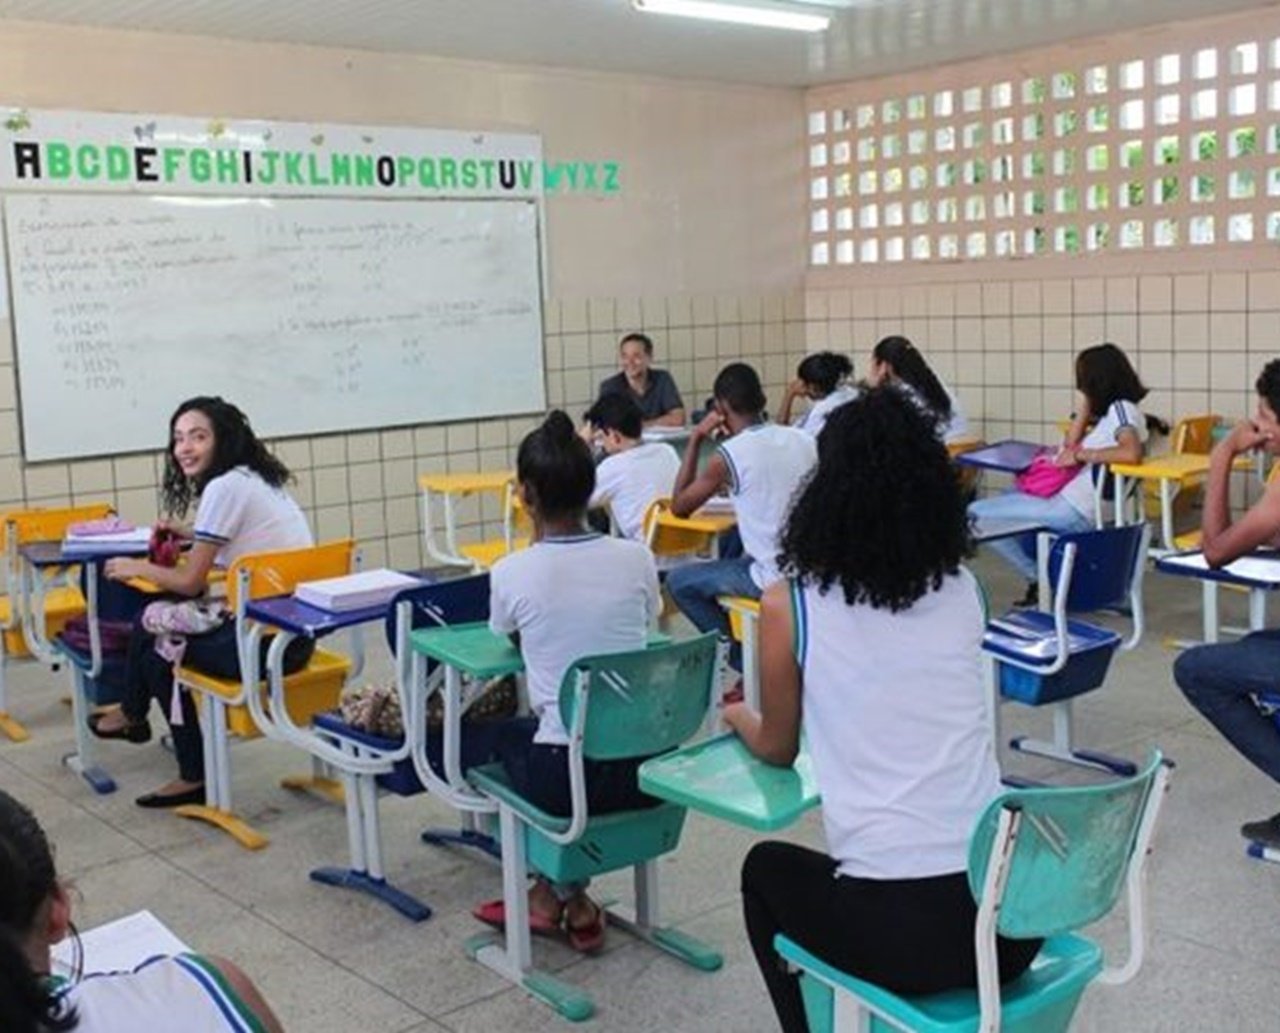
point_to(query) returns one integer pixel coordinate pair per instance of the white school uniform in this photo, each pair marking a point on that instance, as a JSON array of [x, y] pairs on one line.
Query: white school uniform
[[628, 481], [898, 725], [815, 419], [569, 598], [767, 464], [181, 992], [241, 514], [1120, 415]]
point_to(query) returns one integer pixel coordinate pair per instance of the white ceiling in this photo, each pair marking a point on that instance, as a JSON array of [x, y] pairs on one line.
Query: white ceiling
[[874, 38]]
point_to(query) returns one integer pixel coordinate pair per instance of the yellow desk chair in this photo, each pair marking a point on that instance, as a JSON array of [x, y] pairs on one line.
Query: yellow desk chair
[[673, 539], [967, 475], [313, 689], [744, 624], [33, 610], [517, 529], [1191, 435], [440, 492]]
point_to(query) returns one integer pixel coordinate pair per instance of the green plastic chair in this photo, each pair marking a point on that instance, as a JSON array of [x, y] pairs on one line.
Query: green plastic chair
[[615, 706], [1043, 862]]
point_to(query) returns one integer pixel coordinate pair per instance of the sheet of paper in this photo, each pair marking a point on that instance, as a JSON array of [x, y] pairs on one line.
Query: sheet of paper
[[119, 946], [1264, 567]]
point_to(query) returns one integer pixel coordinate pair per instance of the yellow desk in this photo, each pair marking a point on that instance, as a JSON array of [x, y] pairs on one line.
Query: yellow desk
[[1173, 471], [671, 535], [448, 488]]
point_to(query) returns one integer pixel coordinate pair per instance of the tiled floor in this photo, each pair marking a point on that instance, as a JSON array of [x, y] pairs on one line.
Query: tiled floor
[[334, 962]]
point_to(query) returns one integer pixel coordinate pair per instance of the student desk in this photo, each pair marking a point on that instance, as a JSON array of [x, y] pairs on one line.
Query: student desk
[[1009, 456], [37, 561], [358, 764], [719, 777], [1174, 471], [712, 521], [993, 529], [449, 487], [1258, 572]]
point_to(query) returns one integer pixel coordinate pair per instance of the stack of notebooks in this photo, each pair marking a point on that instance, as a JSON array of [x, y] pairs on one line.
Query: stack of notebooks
[[106, 538], [364, 590]]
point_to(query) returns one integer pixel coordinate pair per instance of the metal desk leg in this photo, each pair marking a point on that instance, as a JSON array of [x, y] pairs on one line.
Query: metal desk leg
[[82, 760]]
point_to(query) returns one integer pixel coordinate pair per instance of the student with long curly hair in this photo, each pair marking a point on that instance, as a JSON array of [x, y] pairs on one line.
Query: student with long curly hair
[[215, 457], [188, 992], [872, 643]]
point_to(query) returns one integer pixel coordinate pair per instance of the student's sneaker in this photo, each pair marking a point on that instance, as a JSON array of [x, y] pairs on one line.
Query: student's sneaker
[[1265, 832], [1030, 598]]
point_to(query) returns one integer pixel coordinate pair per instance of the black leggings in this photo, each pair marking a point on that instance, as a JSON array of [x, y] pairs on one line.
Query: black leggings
[[149, 676], [910, 936]]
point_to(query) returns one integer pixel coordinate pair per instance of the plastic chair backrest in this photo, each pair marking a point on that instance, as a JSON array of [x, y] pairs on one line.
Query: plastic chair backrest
[[1106, 563], [1072, 852], [463, 600], [48, 525], [666, 540], [1193, 435], [643, 702], [278, 573]]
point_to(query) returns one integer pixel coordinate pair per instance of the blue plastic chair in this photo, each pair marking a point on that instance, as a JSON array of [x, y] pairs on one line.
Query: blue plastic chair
[[615, 706], [1045, 658], [1043, 862], [368, 762]]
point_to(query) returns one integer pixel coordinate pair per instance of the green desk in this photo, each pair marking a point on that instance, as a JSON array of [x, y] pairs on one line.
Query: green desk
[[721, 778], [472, 649]]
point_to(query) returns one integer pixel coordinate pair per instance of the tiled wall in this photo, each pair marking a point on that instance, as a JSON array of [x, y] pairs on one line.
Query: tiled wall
[[1197, 339], [365, 484]]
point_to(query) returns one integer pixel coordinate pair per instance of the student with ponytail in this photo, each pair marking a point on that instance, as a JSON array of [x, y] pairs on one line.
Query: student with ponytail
[[895, 360], [187, 992], [572, 593]]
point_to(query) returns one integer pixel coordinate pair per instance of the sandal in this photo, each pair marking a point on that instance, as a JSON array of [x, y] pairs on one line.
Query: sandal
[[133, 731], [494, 913], [589, 938]]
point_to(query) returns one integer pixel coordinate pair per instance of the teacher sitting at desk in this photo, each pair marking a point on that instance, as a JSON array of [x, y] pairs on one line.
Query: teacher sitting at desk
[[1220, 680], [652, 389], [872, 642]]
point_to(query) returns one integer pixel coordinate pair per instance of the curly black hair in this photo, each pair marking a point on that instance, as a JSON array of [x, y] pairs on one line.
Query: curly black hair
[[1268, 384], [234, 444], [882, 514], [824, 370]]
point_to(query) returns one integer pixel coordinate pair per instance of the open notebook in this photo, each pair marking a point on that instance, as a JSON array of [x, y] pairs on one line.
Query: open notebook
[[119, 946]]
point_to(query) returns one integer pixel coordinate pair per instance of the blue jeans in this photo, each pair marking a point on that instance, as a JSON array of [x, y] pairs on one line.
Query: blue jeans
[[1055, 513], [1218, 680], [695, 587]]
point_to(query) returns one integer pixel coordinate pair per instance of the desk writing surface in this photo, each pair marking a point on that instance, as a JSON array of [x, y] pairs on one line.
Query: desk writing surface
[[462, 483], [1260, 569], [722, 779], [992, 528], [470, 648], [1011, 456], [55, 554], [298, 618], [1174, 466]]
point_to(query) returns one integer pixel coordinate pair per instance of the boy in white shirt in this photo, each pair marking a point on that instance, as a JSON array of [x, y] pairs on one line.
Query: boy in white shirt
[[763, 465], [634, 472]]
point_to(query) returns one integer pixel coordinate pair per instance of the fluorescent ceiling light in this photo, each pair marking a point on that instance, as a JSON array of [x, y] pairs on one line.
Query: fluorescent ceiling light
[[772, 16]]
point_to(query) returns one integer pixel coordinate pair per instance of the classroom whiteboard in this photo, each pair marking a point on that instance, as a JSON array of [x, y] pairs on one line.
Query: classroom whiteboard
[[313, 316]]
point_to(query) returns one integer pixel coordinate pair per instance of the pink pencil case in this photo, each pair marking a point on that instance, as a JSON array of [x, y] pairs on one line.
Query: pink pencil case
[[93, 528]]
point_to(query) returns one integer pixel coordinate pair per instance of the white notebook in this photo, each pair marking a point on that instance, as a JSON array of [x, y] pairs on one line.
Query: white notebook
[[354, 591], [119, 946]]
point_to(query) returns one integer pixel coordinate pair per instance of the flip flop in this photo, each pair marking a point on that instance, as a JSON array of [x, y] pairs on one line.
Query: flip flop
[[589, 938], [494, 913]]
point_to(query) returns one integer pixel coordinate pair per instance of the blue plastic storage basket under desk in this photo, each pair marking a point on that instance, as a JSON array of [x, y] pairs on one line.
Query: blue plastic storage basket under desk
[[1029, 636]]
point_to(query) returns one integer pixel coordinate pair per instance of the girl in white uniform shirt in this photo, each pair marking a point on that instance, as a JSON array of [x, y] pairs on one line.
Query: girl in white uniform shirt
[[822, 378], [895, 360], [189, 993], [1108, 428], [243, 508], [872, 642], [572, 593]]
